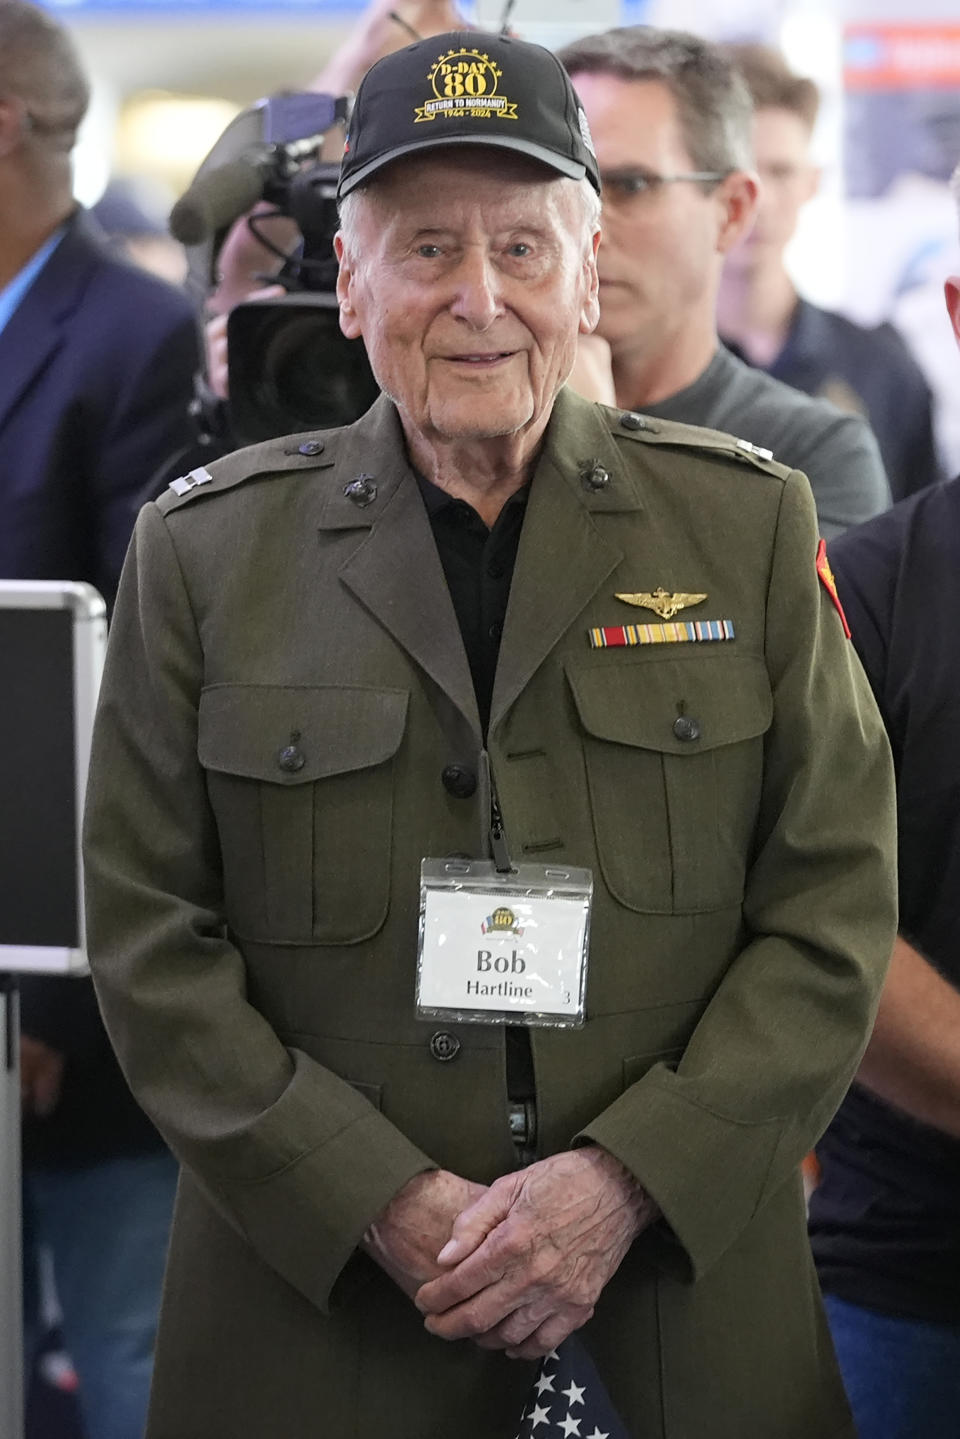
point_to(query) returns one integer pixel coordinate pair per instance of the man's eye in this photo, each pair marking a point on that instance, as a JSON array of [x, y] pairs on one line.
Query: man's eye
[[520, 249], [428, 251], [625, 185]]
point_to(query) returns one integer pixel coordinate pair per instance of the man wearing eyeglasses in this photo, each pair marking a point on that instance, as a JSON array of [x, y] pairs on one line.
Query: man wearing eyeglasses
[[671, 123]]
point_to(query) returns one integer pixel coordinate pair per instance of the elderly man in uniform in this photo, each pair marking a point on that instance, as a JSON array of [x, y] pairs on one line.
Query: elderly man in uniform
[[489, 845]]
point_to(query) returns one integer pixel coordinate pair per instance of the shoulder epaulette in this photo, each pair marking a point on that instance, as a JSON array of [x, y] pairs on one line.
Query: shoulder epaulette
[[271, 457], [629, 424]]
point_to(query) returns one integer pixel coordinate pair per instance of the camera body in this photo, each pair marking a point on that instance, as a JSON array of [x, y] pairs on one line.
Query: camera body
[[290, 367]]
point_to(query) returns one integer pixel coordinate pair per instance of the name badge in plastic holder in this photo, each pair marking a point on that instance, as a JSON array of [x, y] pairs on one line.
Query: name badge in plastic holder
[[503, 948]]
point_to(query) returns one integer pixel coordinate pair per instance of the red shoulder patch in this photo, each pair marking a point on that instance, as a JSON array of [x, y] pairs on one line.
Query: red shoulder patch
[[830, 584]]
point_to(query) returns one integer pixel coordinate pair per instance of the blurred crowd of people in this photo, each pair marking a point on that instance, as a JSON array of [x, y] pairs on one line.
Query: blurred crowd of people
[[704, 156]]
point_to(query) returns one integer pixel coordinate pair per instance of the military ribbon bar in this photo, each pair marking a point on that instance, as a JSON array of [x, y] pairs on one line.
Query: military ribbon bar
[[672, 632]]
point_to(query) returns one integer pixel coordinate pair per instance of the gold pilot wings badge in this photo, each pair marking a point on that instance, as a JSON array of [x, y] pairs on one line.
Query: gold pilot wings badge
[[670, 631], [663, 604]]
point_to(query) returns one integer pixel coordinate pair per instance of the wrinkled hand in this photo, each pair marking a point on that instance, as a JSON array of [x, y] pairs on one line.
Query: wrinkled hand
[[215, 340], [41, 1074], [592, 373], [405, 1238], [534, 1251]]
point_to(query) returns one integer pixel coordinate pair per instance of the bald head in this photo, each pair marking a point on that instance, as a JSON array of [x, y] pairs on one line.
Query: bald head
[[40, 69]]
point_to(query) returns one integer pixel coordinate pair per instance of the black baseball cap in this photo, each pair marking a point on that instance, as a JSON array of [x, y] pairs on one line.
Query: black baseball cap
[[467, 88]]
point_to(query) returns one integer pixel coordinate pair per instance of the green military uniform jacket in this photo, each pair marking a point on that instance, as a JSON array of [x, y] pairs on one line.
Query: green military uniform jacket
[[253, 916]]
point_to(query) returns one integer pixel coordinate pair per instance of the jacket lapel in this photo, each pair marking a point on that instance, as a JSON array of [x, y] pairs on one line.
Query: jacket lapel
[[563, 558], [396, 572], [36, 328]]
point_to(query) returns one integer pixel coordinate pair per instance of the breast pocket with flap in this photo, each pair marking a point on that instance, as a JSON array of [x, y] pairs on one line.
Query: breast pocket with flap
[[301, 780], [674, 759]]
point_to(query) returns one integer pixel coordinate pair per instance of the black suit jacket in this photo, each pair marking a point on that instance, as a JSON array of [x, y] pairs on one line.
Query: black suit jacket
[[96, 375], [96, 368]]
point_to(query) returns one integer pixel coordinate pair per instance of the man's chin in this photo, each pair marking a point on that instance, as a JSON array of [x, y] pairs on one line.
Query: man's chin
[[489, 421]]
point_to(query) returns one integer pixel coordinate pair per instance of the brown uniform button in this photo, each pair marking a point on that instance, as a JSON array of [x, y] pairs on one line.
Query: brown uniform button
[[685, 727], [459, 781], [444, 1046]]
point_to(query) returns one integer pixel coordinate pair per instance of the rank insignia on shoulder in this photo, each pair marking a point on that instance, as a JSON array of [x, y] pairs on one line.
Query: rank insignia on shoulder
[[677, 632], [663, 604], [830, 584], [185, 483], [757, 450]]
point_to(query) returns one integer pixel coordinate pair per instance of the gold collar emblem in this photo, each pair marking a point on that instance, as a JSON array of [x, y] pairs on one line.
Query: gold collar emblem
[[662, 604]]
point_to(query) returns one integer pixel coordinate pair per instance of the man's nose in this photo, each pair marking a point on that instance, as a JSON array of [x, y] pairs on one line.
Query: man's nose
[[477, 297]]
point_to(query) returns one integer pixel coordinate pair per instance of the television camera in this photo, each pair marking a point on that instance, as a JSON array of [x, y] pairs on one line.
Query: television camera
[[290, 367]]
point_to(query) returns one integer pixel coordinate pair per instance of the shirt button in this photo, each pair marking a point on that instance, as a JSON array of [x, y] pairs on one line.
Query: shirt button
[[686, 728], [290, 759], [495, 630], [444, 1046], [459, 781], [495, 571]]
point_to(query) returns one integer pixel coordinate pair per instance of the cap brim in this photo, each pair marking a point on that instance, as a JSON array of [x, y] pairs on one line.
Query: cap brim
[[560, 164]]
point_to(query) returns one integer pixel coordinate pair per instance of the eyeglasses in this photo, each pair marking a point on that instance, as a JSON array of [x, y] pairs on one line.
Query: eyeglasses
[[625, 184]]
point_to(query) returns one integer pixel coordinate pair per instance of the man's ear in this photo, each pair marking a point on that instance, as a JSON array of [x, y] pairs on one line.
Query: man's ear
[[590, 310], [737, 197], [12, 121], [813, 179], [349, 319], [951, 293]]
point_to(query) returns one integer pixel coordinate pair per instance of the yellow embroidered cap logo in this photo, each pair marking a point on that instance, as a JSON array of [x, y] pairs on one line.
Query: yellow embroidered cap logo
[[464, 84]]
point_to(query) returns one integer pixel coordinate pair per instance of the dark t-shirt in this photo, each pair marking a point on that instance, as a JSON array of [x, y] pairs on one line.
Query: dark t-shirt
[[885, 1219], [872, 372], [835, 450]]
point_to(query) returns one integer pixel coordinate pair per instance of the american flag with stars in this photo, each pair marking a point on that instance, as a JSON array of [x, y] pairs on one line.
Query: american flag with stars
[[568, 1399]]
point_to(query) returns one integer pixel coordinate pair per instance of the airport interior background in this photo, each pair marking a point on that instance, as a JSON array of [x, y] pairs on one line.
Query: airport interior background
[[876, 243]]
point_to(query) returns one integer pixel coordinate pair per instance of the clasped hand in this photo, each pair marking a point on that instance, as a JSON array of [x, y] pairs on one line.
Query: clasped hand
[[528, 1257]]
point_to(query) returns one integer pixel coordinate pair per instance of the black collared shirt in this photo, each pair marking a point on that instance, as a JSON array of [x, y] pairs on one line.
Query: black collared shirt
[[478, 564]]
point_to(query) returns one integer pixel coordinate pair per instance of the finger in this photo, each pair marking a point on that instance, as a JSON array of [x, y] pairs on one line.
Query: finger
[[486, 1266], [473, 1224], [266, 292], [489, 1306], [525, 1321], [551, 1333]]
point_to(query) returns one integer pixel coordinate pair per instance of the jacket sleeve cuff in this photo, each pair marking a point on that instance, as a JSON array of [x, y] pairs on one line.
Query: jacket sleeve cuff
[[731, 1156]]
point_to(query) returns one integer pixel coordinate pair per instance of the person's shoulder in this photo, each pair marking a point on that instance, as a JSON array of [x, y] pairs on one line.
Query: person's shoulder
[[116, 281], [784, 409], [121, 283], [864, 345], [289, 455], [924, 524], [717, 446]]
